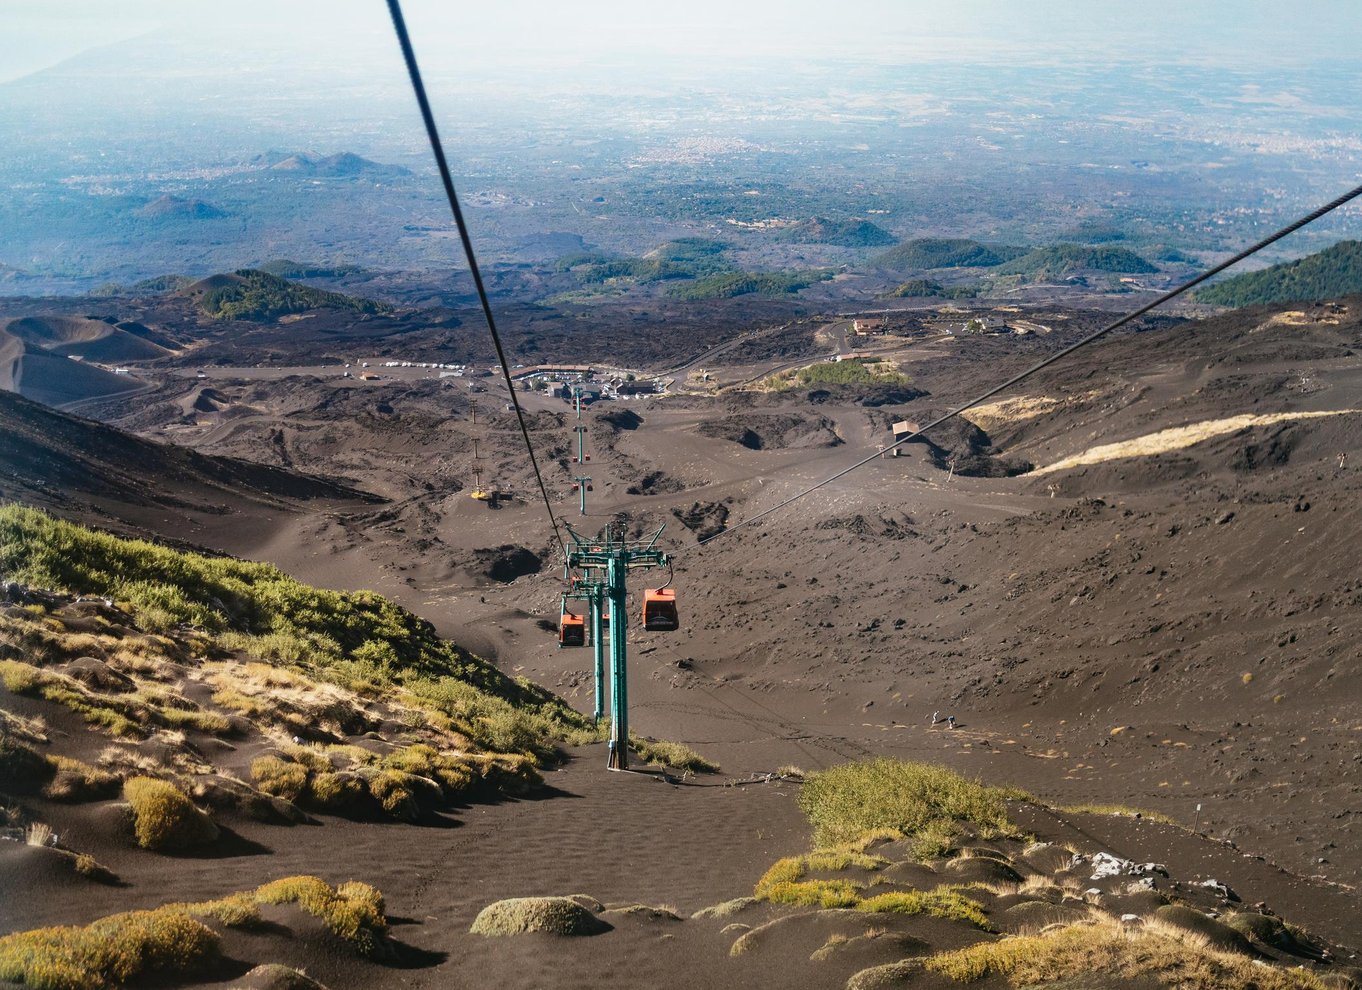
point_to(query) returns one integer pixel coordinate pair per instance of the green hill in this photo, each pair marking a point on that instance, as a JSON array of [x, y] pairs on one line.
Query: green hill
[[925, 287], [686, 257], [841, 233], [941, 252], [1063, 259], [1335, 271], [250, 294], [729, 284]]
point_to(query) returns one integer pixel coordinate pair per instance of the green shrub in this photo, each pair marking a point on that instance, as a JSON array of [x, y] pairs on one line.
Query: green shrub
[[21, 678], [279, 778], [164, 818], [395, 793], [555, 915], [846, 801], [339, 793], [234, 910], [353, 912], [109, 953]]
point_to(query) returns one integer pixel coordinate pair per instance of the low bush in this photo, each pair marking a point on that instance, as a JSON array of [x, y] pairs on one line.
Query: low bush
[[353, 911], [111, 952], [555, 915], [339, 793], [280, 778], [164, 818]]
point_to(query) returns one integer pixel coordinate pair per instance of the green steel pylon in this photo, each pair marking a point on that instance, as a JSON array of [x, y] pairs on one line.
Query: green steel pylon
[[593, 594], [612, 559]]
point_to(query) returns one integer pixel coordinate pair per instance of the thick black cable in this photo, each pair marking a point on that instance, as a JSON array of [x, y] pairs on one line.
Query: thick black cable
[[419, 87], [1167, 296]]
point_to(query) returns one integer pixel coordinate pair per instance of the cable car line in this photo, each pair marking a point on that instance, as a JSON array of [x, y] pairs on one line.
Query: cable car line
[[419, 88], [1046, 362]]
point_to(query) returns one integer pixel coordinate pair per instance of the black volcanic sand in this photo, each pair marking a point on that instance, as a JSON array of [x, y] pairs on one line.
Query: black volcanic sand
[[1092, 630]]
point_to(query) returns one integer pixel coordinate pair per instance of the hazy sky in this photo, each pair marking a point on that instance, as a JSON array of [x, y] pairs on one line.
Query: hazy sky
[[37, 33]]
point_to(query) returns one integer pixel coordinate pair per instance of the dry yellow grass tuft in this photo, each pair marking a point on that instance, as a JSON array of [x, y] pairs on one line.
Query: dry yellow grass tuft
[[353, 911], [164, 818], [111, 952], [1116, 951], [1179, 438]]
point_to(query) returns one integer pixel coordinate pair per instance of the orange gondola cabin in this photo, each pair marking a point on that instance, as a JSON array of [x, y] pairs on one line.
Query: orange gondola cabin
[[572, 629], [659, 610]]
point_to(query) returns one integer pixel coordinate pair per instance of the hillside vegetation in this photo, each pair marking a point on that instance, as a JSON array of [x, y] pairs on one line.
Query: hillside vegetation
[[941, 252], [842, 233], [837, 373], [257, 295], [926, 288], [726, 285], [1335, 271], [359, 640], [1063, 259]]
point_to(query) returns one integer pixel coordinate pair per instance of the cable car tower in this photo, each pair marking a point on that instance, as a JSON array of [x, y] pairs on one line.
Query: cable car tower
[[583, 480], [478, 492], [604, 564]]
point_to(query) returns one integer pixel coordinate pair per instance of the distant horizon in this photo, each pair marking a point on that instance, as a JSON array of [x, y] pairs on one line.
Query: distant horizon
[[536, 34]]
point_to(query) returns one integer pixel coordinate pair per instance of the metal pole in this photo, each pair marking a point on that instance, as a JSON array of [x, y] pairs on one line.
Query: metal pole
[[616, 574], [582, 482], [598, 648]]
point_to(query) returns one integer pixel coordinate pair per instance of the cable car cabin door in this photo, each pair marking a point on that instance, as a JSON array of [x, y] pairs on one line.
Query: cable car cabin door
[[572, 630], [659, 610]]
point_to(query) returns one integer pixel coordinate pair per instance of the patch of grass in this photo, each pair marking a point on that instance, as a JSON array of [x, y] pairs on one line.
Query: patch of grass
[[353, 911], [234, 910], [671, 754], [19, 677], [725, 909], [164, 818], [115, 714], [1117, 810], [1109, 949], [111, 952], [555, 915], [943, 902], [395, 793], [354, 640], [255, 601], [784, 882], [279, 778], [76, 781], [837, 373], [22, 769], [844, 802], [338, 793]]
